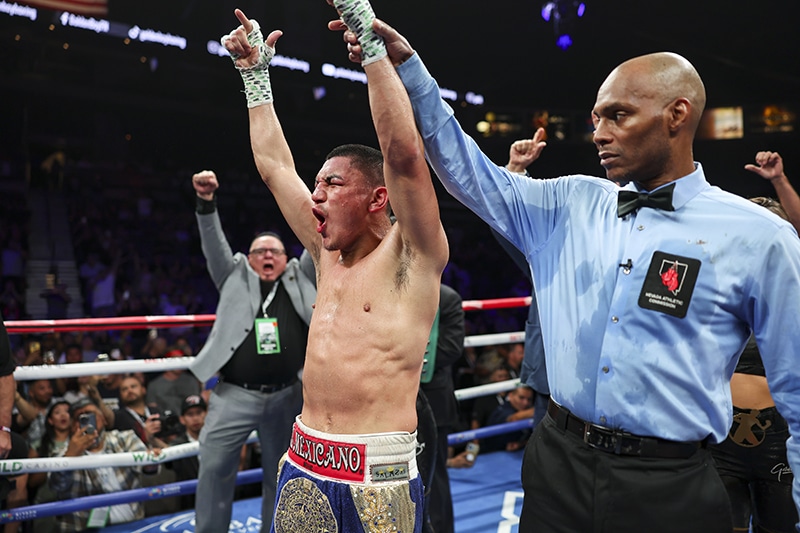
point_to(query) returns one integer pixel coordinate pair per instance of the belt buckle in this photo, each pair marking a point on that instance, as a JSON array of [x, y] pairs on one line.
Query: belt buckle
[[587, 426], [608, 441]]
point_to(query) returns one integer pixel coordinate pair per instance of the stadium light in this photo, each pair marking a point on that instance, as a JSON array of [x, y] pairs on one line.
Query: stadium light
[[563, 13]]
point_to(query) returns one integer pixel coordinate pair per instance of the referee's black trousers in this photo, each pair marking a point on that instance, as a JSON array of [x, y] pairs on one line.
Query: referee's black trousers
[[573, 488]]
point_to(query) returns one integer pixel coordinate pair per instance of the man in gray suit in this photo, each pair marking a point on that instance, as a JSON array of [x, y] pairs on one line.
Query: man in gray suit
[[258, 346]]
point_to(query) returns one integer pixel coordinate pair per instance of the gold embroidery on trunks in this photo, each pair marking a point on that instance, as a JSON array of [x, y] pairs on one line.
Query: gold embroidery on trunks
[[281, 462], [303, 507], [385, 509]]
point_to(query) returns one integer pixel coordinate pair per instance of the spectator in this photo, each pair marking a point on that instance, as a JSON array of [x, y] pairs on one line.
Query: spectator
[[53, 444], [514, 357], [517, 406], [478, 416], [78, 483], [769, 165], [182, 344], [169, 390], [89, 352], [72, 354], [171, 305], [155, 347], [55, 293], [490, 359], [108, 387], [32, 412], [33, 354], [193, 417], [484, 406], [134, 414], [12, 261], [88, 271], [12, 308], [86, 387], [102, 290], [155, 424], [57, 430], [11, 301]]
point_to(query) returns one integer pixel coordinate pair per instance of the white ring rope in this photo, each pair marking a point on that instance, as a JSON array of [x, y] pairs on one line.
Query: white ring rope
[[33, 372], [494, 338], [486, 390], [28, 373], [48, 464]]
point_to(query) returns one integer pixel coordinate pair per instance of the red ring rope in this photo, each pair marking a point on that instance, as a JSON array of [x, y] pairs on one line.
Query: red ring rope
[[146, 322]]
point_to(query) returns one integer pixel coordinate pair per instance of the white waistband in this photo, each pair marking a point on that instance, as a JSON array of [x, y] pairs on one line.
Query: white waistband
[[356, 458]]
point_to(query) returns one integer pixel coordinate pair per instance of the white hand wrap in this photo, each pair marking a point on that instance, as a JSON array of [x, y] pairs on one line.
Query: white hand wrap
[[358, 16], [257, 86]]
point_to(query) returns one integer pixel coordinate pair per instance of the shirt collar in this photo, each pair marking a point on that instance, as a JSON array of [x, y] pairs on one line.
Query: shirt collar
[[686, 187]]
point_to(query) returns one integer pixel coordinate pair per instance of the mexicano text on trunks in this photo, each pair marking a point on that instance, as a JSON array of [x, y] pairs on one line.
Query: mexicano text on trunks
[[666, 301], [338, 460]]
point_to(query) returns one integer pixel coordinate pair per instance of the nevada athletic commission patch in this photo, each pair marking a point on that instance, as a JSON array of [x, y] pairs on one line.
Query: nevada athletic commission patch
[[669, 284]]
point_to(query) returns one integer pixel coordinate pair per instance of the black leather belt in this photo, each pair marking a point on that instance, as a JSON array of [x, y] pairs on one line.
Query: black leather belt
[[619, 442], [267, 389]]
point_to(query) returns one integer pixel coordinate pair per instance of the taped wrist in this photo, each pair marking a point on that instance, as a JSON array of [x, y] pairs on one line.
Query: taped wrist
[[257, 87], [358, 16]]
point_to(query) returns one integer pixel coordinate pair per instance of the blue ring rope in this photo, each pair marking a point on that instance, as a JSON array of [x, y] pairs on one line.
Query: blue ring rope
[[489, 431], [179, 488]]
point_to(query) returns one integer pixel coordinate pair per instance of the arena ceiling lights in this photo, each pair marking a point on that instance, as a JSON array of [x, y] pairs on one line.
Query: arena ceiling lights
[[563, 13]]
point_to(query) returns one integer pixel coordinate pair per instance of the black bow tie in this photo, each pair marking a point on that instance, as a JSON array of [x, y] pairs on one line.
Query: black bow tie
[[628, 201]]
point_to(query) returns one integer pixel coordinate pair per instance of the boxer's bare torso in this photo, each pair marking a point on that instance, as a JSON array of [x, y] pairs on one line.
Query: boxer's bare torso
[[366, 341]]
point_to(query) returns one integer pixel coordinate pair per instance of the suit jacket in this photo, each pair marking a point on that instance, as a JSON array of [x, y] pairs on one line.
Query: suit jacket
[[240, 295], [450, 346]]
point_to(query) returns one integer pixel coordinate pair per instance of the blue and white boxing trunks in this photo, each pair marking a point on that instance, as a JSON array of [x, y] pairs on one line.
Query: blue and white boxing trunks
[[349, 483]]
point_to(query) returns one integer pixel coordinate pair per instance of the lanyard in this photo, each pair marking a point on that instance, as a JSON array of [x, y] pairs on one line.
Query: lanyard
[[140, 430], [137, 416], [269, 298]]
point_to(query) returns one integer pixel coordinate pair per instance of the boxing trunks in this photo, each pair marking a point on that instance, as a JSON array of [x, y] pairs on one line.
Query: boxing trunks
[[349, 483]]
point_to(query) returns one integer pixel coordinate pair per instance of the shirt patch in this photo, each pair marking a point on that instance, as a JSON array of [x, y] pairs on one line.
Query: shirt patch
[[669, 284]]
